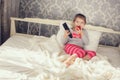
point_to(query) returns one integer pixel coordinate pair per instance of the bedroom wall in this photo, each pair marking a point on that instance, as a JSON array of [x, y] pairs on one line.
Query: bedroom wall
[[104, 13]]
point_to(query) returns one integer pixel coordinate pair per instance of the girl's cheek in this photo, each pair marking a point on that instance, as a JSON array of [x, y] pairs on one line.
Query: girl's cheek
[[82, 25]]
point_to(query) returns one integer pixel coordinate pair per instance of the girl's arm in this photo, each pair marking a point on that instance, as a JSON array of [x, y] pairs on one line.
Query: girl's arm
[[66, 37]]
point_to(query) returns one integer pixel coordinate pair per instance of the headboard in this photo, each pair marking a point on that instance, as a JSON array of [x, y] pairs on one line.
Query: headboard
[[55, 22]]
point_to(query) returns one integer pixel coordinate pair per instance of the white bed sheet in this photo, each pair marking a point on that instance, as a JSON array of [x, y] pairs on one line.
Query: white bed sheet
[[24, 41], [30, 58]]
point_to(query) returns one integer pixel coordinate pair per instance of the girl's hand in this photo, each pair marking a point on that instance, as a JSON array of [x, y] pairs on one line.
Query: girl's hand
[[80, 31], [66, 33]]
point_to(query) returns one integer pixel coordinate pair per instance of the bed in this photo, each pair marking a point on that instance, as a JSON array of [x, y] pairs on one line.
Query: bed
[[31, 57]]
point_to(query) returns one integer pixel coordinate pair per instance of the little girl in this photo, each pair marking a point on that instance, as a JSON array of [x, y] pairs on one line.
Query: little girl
[[75, 46]]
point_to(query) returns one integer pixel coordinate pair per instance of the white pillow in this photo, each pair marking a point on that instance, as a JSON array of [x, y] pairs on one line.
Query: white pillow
[[94, 37]]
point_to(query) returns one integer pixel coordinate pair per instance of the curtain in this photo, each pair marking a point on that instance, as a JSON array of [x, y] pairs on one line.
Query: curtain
[[0, 19], [10, 8]]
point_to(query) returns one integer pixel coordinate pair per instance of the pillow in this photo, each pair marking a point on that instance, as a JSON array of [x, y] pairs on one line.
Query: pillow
[[94, 37]]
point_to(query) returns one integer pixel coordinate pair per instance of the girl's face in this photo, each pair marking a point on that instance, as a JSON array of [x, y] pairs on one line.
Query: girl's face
[[79, 22]]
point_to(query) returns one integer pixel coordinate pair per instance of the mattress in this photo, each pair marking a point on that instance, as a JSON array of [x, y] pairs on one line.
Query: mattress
[[19, 41], [23, 41]]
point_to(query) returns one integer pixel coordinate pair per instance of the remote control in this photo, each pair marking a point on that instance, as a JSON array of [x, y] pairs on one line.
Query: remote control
[[67, 28]]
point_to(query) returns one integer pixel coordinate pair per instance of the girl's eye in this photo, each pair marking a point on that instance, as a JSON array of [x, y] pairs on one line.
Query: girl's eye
[[82, 22]]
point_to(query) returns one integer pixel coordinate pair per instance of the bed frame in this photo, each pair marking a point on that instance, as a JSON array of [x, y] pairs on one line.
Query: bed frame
[[56, 23]]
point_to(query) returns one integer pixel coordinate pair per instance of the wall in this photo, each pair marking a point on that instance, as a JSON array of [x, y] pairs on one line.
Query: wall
[[98, 12]]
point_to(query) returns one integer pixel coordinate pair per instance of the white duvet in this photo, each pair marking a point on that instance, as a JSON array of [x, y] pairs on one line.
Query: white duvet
[[42, 62]]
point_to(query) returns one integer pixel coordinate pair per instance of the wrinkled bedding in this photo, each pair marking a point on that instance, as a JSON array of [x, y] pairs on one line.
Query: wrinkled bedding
[[41, 60]]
